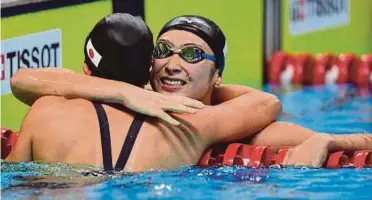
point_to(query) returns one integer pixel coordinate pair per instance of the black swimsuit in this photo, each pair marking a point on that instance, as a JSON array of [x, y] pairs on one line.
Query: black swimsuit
[[106, 140]]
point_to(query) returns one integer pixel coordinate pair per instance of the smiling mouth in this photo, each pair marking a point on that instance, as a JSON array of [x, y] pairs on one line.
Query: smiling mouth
[[172, 82]]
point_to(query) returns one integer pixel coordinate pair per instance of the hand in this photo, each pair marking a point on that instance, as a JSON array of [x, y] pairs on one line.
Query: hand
[[311, 153], [155, 104]]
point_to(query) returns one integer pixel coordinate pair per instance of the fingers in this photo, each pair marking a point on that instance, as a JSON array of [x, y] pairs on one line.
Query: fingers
[[188, 102], [164, 116], [295, 160], [286, 160], [319, 161], [179, 109], [194, 103], [289, 160]]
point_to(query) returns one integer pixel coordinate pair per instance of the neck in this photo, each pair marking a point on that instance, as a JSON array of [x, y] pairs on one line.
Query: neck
[[207, 99]]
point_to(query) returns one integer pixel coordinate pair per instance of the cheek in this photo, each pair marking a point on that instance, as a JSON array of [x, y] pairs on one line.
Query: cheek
[[158, 64], [201, 77], [201, 72]]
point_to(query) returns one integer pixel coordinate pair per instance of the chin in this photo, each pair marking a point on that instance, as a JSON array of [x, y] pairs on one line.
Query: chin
[[169, 93]]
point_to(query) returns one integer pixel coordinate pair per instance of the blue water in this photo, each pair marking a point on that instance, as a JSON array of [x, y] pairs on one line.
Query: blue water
[[335, 109]]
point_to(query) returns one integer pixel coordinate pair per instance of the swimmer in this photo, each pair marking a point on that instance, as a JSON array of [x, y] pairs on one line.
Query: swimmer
[[127, 45], [189, 61], [277, 134]]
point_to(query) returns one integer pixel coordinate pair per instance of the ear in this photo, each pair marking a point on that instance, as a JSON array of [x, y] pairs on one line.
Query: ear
[[152, 64], [218, 81], [86, 69]]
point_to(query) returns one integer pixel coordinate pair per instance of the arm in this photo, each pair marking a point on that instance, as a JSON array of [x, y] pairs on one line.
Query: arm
[[349, 142], [30, 84], [280, 134], [22, 151], [227, 92], [243, 116], [277, 134], [314, 151]]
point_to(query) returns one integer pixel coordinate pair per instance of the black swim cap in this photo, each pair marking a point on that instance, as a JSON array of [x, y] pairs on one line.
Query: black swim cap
[[206, 30], [120, 48]]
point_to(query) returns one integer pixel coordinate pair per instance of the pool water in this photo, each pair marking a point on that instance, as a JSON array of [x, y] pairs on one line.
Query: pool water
[[335, 109]]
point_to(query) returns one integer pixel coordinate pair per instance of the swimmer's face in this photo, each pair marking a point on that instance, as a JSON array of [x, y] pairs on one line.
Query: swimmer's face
[[172, 75]]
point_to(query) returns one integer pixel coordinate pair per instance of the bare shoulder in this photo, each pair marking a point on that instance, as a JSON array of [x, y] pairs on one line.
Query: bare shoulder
[[58, 105], [51, 112], [43, 108], [56, 123]]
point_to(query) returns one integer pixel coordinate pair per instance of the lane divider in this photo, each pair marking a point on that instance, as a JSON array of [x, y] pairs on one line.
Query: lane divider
[[324, 68], [238, 154]]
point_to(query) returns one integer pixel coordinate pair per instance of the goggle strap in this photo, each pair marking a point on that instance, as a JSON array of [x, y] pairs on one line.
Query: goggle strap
[[209, 57]]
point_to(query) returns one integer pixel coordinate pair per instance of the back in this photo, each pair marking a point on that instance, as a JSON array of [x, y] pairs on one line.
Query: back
[[71, 134], [64, 130]]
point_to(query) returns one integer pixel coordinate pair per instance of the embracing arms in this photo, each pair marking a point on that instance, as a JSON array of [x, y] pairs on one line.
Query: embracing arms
[[242, 116], [314, 151], [31, 84]]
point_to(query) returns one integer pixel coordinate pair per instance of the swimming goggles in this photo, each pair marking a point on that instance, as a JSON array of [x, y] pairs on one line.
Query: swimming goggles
[[190, 54]]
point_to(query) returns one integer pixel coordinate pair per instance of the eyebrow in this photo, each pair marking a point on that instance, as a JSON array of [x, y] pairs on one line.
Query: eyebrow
[[192, 44], [183, 45], [167, 41]]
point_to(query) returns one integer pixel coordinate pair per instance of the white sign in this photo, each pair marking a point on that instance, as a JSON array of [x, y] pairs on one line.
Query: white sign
[[311, 15], [37, 50]]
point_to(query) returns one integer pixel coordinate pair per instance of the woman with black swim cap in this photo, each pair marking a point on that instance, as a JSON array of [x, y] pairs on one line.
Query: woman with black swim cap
[[205, 29], [119, 47], [189, 58]]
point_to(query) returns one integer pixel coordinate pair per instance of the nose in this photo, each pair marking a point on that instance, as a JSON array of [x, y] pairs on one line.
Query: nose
[[174, 65]]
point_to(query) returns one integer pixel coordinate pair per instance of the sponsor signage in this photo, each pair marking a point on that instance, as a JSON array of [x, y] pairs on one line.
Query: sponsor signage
[[311, 15], [39, 50]]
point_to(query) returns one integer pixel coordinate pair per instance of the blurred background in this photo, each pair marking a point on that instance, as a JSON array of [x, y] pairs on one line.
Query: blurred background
[[282, 42]]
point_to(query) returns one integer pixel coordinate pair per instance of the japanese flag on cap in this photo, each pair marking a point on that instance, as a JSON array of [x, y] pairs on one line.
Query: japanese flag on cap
[[93, 54]]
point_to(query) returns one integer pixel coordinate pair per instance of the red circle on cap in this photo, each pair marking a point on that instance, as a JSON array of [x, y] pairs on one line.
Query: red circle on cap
[[91, 53]]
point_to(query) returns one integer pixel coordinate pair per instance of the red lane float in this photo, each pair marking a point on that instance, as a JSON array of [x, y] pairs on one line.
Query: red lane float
[[351, 63], [329, 69], [304, 64], [324, 68], [362, 73], [338, 70], [8, 140], [206, 158], [243, 157], [261, 156], [239, 154], [284, 69], [279, 157], [276, 64], [362, 158], [337, 160], [230, 153]]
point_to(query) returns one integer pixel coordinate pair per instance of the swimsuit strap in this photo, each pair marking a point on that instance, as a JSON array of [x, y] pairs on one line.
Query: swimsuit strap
[[133, 131], [105, 136]]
